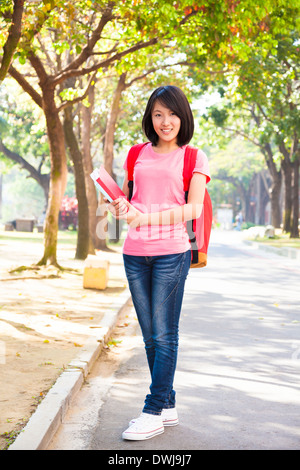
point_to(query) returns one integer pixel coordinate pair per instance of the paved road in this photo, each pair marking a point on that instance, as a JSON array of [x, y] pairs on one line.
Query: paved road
[[237, 379]]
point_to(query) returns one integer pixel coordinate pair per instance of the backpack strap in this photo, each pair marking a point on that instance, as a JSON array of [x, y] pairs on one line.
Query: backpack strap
[[190, 157], [189, 164], [131, 159]]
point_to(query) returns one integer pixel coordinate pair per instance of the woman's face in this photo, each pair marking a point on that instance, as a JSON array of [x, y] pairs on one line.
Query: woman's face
[[166, 123]]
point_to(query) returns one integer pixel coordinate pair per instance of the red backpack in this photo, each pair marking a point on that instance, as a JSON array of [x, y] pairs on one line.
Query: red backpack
[[198, 229]]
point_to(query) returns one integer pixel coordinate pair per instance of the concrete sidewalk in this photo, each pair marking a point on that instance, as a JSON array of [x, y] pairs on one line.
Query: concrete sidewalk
[[48, 416], [46, 317]]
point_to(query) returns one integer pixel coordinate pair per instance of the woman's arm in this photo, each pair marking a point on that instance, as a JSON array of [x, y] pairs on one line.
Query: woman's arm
[[122, 209], [125, 188]]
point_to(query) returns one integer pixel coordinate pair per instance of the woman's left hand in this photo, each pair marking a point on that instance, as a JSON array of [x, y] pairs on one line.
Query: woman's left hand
[[122, 209]]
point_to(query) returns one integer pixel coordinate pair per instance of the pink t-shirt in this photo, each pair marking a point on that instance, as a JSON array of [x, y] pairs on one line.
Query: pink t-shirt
[[158, 186]]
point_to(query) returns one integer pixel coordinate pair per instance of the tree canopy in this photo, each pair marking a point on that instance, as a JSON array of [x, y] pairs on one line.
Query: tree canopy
[[56, 50]]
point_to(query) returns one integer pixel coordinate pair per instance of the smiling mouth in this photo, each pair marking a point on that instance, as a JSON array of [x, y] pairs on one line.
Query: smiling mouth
[[166, 131]]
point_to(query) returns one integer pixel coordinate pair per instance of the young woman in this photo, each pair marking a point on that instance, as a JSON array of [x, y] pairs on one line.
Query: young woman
[[156, 251]]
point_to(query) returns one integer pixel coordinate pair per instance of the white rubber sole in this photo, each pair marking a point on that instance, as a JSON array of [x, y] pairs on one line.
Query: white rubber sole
[[171, 422], [141, 436]]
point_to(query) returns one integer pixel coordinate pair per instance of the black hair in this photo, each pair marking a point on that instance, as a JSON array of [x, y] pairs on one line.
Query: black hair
[[173, 98]]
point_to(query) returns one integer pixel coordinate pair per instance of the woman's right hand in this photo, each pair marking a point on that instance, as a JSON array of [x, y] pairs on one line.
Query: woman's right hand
[[117, 208]]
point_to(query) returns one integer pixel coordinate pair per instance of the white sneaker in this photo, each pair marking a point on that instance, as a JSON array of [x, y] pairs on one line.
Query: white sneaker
[[169, 417], [144, 427]]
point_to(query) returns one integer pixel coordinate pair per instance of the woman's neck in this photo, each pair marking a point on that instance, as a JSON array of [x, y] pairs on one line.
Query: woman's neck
[[165, 147]]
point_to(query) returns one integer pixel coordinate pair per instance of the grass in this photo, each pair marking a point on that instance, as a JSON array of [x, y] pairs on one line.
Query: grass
[[64, 237], [280, 241]]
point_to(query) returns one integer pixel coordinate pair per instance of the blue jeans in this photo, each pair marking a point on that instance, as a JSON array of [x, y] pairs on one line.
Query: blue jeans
[[156, 284]]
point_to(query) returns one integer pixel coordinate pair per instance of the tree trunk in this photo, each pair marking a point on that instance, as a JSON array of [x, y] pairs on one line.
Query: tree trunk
[[275, 187], [82, 248], [287, 213], [109, 142], [275, 201], [295, 219], [58, 176], [111, 125], [91, 192], [244, 195], [265, 198], [1, 179]]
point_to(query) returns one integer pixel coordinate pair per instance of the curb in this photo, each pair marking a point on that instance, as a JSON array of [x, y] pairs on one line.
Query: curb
[[48, 416], [291, 253]]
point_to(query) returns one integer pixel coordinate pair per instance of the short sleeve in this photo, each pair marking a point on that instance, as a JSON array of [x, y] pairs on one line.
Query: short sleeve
[[125, 165], [202, 165]]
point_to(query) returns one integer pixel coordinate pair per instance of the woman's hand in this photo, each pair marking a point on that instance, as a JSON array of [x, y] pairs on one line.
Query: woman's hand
[[122, 209]]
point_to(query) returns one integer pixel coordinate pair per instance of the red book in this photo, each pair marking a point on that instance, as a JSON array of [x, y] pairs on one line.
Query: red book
[[106, 184]]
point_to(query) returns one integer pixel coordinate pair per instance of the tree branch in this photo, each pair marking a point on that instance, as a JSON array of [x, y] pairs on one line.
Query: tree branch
[[38, 67], [263, 113], [221, 175], [43, 48], [236, 131], [154, 69], [20, 160], [13, 37], [26, 86], [79, 98], [113, 49], [105, 63], [72, 69], [88, 50]]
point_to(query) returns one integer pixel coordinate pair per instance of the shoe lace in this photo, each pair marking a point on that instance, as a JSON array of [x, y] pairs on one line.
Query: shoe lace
[[144, 419]]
